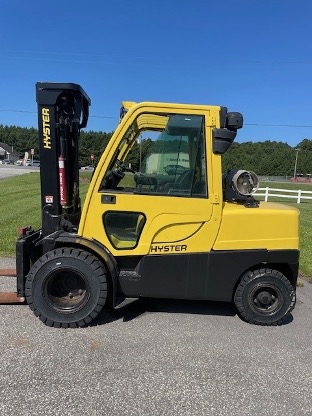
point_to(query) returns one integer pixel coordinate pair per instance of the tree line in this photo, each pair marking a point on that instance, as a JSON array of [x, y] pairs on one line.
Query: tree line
[[22, 139], [270, 158], [267, 158]]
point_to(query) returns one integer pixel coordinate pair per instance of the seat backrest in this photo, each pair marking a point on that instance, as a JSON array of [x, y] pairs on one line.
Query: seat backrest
[[186, 179]]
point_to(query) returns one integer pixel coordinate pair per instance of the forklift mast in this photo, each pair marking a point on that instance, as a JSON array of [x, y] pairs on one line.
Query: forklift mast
[[63, 109]]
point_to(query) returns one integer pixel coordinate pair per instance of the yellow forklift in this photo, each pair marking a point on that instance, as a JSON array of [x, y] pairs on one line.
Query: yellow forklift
[[175, 227]]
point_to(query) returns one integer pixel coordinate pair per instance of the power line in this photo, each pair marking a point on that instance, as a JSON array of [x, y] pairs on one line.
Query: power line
[[35, 112], [60, 56], [277, 125], [117, 118], [19, 111], [114, 117]]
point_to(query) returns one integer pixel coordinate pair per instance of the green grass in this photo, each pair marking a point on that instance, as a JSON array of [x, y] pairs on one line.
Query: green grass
[[305, 209], [20, 205]]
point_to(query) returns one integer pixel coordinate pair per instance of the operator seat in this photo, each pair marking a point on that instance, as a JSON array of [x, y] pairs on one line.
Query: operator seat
[[183, 182]]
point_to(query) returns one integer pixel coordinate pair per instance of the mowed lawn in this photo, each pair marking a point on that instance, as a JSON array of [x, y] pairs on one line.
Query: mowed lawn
[[305, 208], [20, 205]]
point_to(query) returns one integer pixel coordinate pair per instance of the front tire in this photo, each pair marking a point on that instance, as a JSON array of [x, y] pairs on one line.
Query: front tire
[[66, 287], [265, 297]]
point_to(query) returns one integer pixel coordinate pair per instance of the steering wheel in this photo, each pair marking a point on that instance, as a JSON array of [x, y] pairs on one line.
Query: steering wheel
[[115, 175], [121, 167]]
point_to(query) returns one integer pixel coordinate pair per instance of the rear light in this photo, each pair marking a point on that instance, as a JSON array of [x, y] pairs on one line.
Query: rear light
[[25, 231]]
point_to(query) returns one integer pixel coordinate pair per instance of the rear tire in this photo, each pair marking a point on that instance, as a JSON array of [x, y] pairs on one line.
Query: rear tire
[[265, 297], [66, 287]]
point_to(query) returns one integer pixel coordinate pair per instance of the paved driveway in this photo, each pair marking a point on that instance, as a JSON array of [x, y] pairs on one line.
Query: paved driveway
[[7, 171], [156, 357]]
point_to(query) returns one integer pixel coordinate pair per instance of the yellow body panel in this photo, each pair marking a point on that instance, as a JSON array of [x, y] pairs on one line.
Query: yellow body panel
[[175, 231], [128, 104], [271, 226], [190, 222]]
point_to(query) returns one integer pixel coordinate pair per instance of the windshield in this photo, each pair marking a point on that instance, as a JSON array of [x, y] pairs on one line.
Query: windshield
[[159, 150]]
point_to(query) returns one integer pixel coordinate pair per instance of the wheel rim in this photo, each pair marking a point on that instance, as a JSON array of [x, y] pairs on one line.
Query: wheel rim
[[66, 291], [266, 299]]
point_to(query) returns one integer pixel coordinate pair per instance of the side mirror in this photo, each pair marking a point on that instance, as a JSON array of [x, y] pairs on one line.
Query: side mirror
[[224, 137], [234, 121]]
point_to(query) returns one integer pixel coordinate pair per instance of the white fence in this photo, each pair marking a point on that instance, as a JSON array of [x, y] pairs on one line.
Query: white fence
[[298, 194]]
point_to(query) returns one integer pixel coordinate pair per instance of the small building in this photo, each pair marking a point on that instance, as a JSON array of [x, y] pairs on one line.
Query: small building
[[7, 153]]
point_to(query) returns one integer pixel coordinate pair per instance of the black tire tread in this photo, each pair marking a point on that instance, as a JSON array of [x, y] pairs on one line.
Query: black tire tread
[[251, 275], [92, 261]]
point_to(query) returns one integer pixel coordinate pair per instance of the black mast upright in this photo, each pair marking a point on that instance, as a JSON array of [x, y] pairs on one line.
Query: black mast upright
[[63, 109]]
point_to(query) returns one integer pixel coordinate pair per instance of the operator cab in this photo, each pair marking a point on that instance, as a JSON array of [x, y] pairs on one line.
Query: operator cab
[[171, 157]]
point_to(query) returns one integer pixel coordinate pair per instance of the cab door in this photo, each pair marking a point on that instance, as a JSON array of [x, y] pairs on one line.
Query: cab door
[[154, 200]]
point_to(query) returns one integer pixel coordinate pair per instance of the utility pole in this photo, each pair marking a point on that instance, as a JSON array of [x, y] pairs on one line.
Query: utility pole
[[295, 170]]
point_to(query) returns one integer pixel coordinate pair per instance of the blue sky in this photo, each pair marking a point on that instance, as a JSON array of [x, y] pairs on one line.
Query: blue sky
[[252, 56]]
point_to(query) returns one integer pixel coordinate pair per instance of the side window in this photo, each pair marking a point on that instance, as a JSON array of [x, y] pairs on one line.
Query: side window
[[168, 157], [123, 228]]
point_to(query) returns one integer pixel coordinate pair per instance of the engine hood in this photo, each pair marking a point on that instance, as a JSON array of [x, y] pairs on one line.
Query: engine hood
[[270, 226]]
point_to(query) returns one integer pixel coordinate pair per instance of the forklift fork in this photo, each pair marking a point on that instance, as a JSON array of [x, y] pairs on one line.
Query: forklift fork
[[10, 298]]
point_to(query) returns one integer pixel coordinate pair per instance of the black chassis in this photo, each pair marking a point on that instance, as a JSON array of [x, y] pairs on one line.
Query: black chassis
[[206, 276]]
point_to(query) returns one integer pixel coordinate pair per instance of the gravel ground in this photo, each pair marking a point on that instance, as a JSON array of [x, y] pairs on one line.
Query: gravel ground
[[156, 357]]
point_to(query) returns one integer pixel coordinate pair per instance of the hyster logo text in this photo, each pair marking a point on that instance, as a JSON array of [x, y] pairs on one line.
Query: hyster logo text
[[46, 128], [168, 248]]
